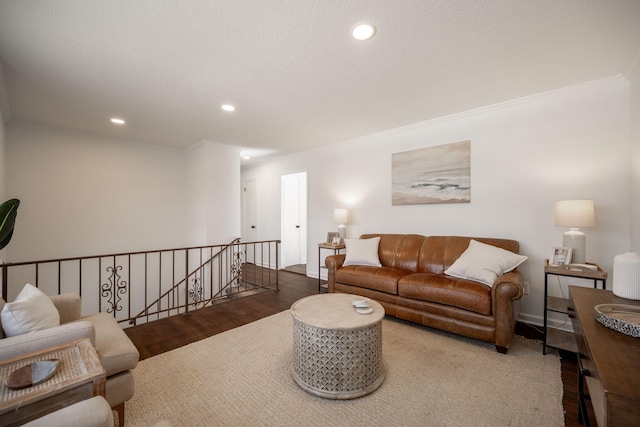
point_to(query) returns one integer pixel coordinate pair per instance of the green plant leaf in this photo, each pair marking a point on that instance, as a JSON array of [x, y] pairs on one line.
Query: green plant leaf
[[8, 213]]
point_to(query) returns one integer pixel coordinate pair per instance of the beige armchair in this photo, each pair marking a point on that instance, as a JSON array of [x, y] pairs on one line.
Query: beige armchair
[[94, 412], [116, 351]]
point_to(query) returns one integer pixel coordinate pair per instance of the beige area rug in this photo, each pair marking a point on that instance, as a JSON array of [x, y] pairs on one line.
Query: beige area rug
[[242, 378]]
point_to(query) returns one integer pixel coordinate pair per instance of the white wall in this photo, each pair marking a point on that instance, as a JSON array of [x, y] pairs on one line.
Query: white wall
[[85, 194], [525, 155], [634, 78], [213, 174], [3, 167], [2, 158]]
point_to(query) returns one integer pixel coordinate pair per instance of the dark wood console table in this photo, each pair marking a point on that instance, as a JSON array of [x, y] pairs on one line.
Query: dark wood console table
[[608, 360]]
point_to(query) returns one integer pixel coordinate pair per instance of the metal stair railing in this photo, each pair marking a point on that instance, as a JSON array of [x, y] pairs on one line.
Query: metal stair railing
[[193, 293], [138, 287]]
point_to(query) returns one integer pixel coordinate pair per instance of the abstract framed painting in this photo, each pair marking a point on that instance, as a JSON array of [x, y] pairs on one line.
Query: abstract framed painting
[[440, 174]]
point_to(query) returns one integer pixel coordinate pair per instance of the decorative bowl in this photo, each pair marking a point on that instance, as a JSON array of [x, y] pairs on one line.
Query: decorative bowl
[[620, 317]]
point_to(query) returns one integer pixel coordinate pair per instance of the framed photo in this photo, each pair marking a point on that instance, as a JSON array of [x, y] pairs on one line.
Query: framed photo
[[561, 256], [336, 240], [331, 236]]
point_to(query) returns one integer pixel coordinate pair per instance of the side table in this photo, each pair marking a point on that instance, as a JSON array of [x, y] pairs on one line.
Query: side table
[[327, 246], [79, 376], [558, 338]]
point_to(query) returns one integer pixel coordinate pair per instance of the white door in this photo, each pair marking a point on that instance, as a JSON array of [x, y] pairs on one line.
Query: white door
[[294, 219], [249, 214]]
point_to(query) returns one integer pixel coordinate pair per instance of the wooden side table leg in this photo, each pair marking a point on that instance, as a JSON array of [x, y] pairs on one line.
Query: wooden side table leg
[[120, 411]]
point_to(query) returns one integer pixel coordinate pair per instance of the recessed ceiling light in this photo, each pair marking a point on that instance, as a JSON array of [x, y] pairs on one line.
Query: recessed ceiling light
[[117, 121], [228, 107], [363, 31]]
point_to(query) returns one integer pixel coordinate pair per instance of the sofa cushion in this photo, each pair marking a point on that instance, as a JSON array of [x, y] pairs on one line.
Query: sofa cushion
[[383, 279], [484, 263], [452, 291], [117, 352], [362, 252], [31, 311], [399, 251]]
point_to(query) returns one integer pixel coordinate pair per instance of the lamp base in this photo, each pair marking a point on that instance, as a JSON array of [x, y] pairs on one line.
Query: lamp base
[[575, 240], [342, 232]]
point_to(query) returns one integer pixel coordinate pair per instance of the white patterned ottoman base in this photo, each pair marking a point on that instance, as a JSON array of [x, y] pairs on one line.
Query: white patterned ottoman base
[[338, 363]]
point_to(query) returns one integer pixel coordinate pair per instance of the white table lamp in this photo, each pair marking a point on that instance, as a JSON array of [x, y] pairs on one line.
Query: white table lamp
[[341, 217], [574, 214]]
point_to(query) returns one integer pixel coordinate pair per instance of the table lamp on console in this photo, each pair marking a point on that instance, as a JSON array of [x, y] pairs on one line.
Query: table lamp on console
[[575, 214]]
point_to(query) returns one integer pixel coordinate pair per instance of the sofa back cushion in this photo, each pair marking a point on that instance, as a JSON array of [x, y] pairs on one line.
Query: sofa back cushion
[[439, 252], [400, 251]]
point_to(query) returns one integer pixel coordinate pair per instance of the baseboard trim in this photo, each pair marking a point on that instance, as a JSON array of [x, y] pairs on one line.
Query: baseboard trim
[[529, 331]]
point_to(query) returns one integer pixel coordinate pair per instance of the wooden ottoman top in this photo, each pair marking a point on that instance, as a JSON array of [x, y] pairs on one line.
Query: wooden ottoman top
[[335, 311]]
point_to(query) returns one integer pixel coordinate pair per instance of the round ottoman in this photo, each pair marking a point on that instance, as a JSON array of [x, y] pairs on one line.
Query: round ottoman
[[337, 352]]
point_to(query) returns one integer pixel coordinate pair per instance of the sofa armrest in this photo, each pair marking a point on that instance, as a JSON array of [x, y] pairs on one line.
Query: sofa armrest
[[333, 263], [506, 290], [510, 284], [68, 305], [116, 351], [39, 340]]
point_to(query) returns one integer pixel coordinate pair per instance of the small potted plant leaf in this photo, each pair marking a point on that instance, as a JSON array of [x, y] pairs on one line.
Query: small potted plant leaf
[[8, 213]]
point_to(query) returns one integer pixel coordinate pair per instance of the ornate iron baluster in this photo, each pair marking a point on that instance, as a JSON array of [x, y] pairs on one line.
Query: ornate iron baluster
[[196, 292], [114, 290], [236, 268]]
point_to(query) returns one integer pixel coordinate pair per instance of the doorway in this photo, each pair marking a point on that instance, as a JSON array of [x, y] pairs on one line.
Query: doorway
[[249, 213], [294, 222]]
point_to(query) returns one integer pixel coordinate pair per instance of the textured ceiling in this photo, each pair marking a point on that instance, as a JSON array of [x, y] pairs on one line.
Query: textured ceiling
[[290, 67]]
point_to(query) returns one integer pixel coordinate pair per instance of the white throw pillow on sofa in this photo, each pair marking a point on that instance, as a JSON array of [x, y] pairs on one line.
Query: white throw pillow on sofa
[[31, 311], [484, 263], [362, 252]]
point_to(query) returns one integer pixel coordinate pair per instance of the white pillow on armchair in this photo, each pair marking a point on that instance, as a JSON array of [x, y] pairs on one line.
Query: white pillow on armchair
[[31, 311]]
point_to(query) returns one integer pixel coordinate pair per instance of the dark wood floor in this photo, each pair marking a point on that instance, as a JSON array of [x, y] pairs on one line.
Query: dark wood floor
[[167, 334]]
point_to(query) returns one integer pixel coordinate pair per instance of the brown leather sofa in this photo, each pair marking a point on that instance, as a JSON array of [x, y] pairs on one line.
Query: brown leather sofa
[[411, 285]]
